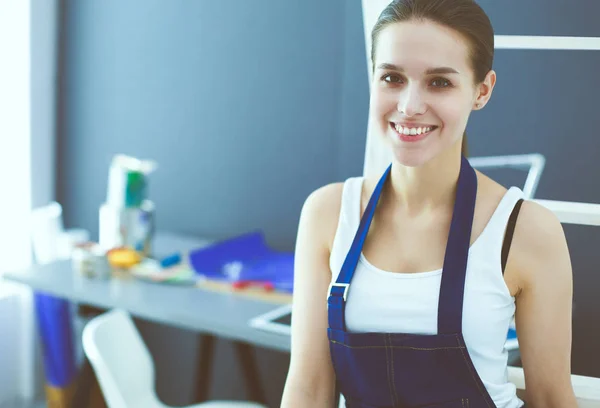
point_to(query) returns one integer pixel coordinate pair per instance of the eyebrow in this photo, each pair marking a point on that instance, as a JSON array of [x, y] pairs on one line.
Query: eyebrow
[[430, 71]]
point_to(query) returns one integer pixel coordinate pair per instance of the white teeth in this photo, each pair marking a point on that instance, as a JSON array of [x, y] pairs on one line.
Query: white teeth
[[412, 131]]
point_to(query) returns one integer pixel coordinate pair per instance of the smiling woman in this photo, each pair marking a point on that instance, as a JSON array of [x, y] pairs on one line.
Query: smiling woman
[[425, 265], [467, 74]]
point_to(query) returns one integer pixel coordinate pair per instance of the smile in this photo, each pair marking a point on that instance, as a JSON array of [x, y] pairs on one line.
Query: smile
[[412, 130]]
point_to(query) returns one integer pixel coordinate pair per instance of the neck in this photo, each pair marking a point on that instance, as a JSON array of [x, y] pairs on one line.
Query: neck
[[427, 188]]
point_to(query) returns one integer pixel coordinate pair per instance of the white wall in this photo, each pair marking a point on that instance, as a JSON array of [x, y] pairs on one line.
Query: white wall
[[9, 344], [28, 83], [14, 184]]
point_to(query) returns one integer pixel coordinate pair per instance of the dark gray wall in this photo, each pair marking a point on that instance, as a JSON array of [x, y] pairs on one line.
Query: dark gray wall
[[238, 102], [547, 102], [246, 106], [249, 106]]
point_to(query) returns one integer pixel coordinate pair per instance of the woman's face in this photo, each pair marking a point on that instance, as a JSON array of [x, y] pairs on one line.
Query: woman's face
[[423, 90]]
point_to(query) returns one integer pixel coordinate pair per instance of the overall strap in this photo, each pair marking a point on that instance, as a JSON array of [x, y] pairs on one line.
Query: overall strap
[[510, 230], [338, 291], [450, 306]]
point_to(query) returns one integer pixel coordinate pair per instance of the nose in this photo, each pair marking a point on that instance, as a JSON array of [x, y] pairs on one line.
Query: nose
[[411, 102]]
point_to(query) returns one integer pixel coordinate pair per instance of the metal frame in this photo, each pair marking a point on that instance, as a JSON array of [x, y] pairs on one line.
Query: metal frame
[[541, 42], [570, 212], [534, 162]]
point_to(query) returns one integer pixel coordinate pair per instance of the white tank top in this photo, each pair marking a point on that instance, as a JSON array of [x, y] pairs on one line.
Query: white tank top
[[383, 301]]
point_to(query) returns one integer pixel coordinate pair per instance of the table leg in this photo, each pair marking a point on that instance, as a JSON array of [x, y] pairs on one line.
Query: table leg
[[204, 366], [84, 383], [250, 372]]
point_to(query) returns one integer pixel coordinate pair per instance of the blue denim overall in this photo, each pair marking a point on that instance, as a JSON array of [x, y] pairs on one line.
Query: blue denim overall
[[377, 370]]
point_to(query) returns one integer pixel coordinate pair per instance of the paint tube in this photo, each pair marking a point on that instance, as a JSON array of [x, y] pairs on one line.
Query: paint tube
[[128, 181], [127, 227]]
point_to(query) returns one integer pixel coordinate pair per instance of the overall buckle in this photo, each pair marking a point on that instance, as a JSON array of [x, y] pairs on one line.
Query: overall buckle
[[339, 285]]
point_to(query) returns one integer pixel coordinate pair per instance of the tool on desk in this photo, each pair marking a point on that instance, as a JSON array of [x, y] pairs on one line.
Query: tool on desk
[[90, 260], [171, 260], [46, 230], [151, 270], [241, 263], [70, 239], [243, 284], [126, 219], [123, 257], [128, 181], [127, 227]]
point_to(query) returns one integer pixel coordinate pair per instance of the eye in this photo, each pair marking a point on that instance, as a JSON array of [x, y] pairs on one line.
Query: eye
[[391, 78], [441, 83]]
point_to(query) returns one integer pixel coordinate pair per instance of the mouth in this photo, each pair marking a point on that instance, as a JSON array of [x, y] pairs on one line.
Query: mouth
[[412, 131]]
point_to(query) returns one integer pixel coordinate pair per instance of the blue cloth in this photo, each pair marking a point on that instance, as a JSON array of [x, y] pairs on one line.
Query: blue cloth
[[249, 258], [56, 335], [385, 370]]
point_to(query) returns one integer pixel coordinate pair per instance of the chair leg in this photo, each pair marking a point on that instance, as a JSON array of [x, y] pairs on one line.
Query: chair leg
[[204, 367], [83, 387], [250, 372]]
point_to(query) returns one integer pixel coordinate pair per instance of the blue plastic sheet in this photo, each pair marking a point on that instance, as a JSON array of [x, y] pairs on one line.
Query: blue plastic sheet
[[56, 334], [245, 258]]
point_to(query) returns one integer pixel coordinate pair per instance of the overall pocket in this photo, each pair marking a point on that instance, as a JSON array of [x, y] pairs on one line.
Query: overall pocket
[[461, 403], [354, 403]]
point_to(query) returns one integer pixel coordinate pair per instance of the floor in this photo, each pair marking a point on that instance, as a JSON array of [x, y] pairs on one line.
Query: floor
[[22, 404]]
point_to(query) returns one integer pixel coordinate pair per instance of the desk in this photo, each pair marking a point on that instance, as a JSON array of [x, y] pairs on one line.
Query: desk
[[222, 314], [215, 313]]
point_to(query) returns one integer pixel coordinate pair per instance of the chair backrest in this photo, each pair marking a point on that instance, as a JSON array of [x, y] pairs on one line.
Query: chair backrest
[[120, 359]]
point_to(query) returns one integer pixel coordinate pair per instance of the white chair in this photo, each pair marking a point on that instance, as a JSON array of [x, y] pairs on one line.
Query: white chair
[[124, 366]]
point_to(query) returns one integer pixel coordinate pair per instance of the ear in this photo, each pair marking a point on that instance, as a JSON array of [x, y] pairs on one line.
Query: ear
[[484, 90]]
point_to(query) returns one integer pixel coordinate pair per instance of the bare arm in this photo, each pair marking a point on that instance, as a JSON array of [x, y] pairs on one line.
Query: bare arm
[[311, 379], [540, 258]]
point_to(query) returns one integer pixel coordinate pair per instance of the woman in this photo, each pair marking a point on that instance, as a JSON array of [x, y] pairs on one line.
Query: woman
[[405, 287]]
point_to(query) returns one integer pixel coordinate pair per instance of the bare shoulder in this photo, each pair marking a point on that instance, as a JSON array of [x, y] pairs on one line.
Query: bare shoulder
[[321, 211], [325, 198], [489, 190], [539, 248], [489, 195], [539, 224], [538, 230]]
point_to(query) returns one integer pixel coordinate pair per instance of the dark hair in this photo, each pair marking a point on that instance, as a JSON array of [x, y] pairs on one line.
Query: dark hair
[[463, 16]]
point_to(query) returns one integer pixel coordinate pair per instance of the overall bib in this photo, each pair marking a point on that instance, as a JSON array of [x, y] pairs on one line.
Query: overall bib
[[385, 370]]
